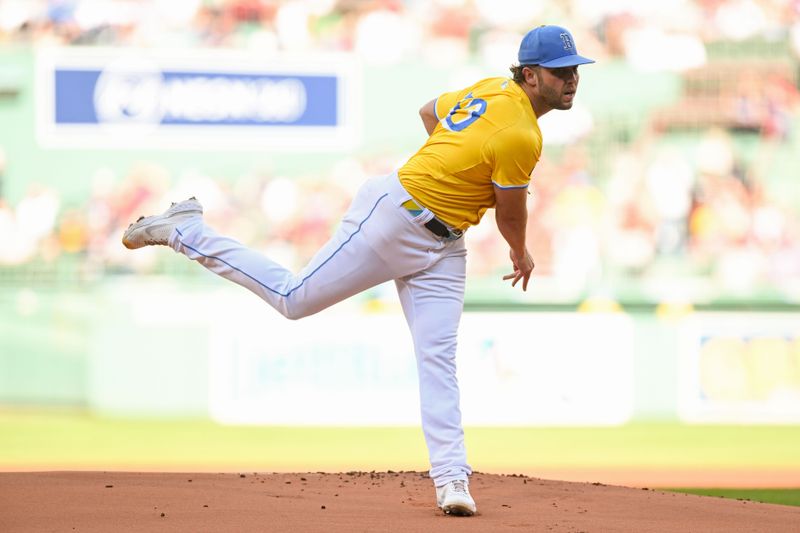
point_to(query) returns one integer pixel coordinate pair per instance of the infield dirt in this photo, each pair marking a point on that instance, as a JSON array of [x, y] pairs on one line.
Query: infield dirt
[[358, 501]]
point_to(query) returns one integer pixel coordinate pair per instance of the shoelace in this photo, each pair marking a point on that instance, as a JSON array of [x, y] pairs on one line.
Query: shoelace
[[459, 486]]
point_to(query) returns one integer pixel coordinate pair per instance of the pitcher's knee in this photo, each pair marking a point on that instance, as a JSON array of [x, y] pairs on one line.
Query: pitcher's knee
[[293, 315], [294, 310]]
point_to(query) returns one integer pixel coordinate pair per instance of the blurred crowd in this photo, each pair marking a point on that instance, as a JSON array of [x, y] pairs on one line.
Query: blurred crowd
[[662, 213], [656, 210], [651, 35]]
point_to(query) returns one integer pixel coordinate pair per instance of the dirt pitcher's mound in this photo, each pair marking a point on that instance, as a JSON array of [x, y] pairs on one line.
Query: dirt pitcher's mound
[[357, 501]]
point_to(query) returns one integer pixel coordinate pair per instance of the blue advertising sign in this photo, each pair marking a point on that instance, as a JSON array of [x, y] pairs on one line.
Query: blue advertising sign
[[92, 98]]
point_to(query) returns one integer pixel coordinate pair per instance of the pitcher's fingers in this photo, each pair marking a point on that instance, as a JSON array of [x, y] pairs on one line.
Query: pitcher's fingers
[[512, 274]]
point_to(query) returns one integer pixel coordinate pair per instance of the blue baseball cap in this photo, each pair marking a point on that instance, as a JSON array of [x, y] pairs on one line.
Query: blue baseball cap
[[550, 47]]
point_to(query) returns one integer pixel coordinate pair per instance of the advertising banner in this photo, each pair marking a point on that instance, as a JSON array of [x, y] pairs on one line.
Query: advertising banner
[[740, 368], [349, 368], [197, 99]]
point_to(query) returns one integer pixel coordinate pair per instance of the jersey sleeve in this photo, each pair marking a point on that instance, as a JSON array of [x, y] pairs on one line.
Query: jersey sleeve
[[512, 157]]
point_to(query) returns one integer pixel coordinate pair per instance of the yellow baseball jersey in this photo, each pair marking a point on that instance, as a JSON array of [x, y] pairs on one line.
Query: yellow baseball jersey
[[487, 137]]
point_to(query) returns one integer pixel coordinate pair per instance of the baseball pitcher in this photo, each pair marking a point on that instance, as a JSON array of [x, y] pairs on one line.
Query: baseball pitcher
[[484, 142]]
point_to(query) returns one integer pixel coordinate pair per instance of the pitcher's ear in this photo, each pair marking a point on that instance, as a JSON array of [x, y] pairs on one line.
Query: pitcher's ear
[[530, 75]]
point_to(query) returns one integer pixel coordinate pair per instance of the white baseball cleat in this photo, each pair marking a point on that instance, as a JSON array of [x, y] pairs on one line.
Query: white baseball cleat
[[156, 229], [454, 498]]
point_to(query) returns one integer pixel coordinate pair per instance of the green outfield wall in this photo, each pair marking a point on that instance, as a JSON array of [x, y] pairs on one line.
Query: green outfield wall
[[153, 347]]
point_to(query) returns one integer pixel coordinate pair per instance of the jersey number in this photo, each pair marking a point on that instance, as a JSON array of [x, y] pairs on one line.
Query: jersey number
[[473, 107]]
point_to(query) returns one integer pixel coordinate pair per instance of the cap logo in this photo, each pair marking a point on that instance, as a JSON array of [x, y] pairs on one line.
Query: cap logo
[[566, 41]]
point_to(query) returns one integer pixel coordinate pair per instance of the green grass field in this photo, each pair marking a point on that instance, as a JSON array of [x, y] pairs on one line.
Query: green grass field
[[779, 496], [74, 441]]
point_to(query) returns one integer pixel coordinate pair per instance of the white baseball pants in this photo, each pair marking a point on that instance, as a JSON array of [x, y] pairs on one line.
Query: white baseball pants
[[378, 240]]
